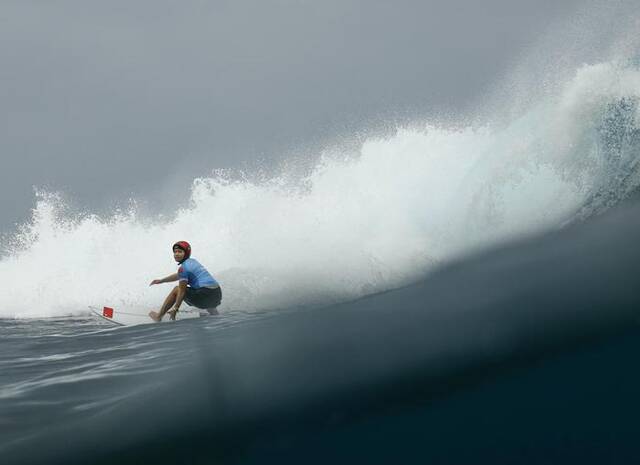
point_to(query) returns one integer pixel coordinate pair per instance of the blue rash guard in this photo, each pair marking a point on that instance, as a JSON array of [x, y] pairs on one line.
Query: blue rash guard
[[195, 274]]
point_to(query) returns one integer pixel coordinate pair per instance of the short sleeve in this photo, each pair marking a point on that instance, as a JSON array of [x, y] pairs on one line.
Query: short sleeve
[[182, 274]]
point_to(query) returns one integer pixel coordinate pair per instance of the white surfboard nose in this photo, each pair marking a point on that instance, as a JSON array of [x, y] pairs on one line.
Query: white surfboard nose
[[137, 316]]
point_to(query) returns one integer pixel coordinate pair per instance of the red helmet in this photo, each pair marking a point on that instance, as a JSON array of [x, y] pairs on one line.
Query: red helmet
[[184, 246]]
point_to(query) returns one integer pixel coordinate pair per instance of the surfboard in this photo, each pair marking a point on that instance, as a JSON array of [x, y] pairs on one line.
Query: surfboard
[[131, 317]]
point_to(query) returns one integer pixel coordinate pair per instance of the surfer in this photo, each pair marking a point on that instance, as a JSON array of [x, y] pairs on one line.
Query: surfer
[[195, 286]]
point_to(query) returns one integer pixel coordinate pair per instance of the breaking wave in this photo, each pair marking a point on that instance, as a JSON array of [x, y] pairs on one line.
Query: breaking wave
[[352, 225]]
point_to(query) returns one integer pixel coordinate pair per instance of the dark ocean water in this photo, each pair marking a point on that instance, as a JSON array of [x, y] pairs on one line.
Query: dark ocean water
[[523, 354]]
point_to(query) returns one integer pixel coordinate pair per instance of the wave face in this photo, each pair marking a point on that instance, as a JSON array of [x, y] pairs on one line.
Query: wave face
[[353, 225], [485, 352]]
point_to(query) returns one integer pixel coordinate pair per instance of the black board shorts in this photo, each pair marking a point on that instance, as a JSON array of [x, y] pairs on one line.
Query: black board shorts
[[203, 297]]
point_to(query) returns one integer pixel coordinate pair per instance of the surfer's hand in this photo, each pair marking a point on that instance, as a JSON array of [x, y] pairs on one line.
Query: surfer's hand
[[155, 281]]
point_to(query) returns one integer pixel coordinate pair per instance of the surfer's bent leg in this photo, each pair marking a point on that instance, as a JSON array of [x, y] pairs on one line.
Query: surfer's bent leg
[[168, 303]]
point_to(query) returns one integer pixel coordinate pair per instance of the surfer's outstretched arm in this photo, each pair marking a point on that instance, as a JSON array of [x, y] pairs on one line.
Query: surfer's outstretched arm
[[168, 279]]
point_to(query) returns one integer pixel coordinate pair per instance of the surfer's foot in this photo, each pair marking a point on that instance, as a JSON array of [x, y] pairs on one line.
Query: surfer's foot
[[154, 316], [172, 314]]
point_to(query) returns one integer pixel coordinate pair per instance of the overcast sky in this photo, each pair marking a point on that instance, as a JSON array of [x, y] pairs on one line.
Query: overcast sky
[[104, 100]]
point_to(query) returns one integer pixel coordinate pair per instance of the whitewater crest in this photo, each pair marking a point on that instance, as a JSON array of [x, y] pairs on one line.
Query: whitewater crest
[[352, 225]]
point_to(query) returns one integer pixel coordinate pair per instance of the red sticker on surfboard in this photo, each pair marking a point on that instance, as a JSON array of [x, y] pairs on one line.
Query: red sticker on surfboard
[[107, 312]]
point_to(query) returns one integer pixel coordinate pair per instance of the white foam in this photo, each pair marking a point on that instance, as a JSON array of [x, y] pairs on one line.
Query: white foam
[[352, 226]]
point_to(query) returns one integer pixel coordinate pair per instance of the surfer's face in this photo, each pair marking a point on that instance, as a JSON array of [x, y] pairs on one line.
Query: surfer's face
[[178, 254]]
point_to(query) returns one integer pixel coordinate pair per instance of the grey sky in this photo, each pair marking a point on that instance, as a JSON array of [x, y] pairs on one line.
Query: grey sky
[[106, 100]]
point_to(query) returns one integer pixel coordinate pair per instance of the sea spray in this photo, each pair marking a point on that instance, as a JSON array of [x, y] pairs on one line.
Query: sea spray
[[352, 225]]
